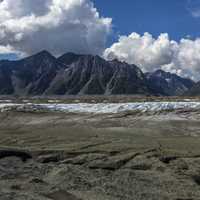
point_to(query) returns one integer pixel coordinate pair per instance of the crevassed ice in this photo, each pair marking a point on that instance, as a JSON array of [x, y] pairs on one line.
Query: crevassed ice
[[121, 107], [112, 107]]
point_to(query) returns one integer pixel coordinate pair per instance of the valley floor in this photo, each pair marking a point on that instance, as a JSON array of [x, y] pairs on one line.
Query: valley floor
[[100, 156]]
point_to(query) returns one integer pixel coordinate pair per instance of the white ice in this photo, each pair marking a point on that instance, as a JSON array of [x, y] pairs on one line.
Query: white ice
[[112, 107]]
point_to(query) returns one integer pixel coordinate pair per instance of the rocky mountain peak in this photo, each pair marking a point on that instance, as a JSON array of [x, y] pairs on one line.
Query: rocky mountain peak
[[169, 84], [72, 74]]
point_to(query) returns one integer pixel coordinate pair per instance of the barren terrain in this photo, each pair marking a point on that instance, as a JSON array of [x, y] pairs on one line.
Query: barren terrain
[[51, 155]]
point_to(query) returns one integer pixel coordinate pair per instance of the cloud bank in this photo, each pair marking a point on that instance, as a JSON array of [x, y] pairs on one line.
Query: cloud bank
[[150, 54], [28, 26]]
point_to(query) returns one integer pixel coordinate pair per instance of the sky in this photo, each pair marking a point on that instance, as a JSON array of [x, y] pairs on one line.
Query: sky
[[153, 34], [154, 16]]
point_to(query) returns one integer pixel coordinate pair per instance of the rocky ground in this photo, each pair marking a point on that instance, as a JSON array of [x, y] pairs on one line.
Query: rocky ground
[[124, 156]]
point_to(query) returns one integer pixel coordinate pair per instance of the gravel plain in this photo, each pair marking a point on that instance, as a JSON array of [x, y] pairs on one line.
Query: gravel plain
[[52, 155]]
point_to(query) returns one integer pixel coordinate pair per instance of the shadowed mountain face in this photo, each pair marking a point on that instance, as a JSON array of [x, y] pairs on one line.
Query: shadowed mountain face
[[71, 74], [167, 84], [194, 91], [93, 75]]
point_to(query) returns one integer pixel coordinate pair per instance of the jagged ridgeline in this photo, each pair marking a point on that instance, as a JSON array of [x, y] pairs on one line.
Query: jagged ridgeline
[[72, 74]]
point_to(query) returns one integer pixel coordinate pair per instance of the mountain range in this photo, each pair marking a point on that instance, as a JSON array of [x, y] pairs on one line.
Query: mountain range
[[73, 74]]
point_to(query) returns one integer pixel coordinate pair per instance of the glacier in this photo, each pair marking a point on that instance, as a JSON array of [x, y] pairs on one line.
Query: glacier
[[104, 108]]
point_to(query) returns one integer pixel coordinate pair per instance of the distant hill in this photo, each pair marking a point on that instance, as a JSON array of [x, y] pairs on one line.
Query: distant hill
[[194, 91], [168, 84], [72, 74]]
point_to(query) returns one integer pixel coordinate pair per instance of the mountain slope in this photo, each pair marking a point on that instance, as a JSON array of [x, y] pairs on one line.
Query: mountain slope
[[29, 76], [165, 83], [194, 91], [93, 75], [6, 86], [72, 74]]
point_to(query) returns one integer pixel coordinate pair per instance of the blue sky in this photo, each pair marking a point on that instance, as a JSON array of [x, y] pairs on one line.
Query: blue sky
[[10, 56], [154, 16]]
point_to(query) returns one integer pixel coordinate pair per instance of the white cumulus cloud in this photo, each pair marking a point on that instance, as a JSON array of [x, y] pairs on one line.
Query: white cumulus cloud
[[59, 26], [150, 54]]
